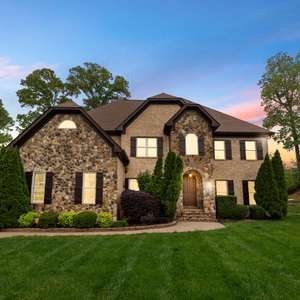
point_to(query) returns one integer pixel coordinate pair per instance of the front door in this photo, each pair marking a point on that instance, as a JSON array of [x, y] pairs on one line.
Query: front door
[[189, 190]]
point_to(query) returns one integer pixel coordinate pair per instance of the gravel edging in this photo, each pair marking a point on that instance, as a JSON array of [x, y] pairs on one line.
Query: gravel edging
[[58, 230]]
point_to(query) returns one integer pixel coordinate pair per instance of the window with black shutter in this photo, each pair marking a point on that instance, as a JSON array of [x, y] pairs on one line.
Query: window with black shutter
[[228, 150], [133, 146], [28, 176], [99, 188], [242, 150], [38, 187], [230, 185], [245, 192], [78, 188], [259, 150], [160, 149], [181, 144], [48, 188], [201, 145]]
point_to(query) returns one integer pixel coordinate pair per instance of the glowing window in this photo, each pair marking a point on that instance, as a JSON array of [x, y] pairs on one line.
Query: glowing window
[[250, 150], [89, 188], [146, 147], [67, 124], [38, 187], [251, 191], [191, 144], [133, 184], [221, 188], [219, 149]]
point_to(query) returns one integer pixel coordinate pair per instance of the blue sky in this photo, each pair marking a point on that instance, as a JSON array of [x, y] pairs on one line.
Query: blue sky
[[213, 52]]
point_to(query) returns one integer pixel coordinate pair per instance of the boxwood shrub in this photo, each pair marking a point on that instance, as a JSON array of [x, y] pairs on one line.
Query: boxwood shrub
[[104, 219], [85, 219], [66, 219], [240, 212], [48, 219], [257, 212], [119, 223], [28, 219], [225, 206], [140, 207]]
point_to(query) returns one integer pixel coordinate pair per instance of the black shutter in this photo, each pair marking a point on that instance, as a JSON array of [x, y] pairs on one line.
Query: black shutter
[[48, 188], [133, 146], [126, 183], [230, 186], [99, 188], [245, 192], [160, 147], [259, 150], [201, 146], [28, 176], [243, 150], [78, 188], [228, 150], [181, 144]]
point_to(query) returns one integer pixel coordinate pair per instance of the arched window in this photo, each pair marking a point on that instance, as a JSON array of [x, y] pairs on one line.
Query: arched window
[[191, 144], [67, 124]]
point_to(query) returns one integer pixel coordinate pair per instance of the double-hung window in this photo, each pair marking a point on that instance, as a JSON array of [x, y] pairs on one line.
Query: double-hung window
[[89, 188], [219, 147], [146, 147], [133, 184], [221, 188], [38, 187], [251, 192], [250, 147]]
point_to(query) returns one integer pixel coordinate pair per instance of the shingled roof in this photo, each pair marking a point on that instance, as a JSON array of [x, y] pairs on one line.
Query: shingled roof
[[111, 115]]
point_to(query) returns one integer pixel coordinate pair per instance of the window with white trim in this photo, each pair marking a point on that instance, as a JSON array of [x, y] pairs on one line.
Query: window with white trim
[[250, 147], [251, 191], [89, 188], [133, 184], [221, 188], [67, 124], [146, 147], [38, 187], [219, 147], [191, 144]]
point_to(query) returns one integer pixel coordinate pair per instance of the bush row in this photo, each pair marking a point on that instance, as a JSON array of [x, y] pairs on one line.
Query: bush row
[[227, 208], [84, 219]]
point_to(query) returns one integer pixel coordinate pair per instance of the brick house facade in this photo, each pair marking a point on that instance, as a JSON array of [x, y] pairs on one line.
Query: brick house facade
[[81, 160]]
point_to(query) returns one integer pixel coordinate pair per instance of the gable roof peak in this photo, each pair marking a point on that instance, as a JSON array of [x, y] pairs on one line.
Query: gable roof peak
[[163, 96], [68, 103]]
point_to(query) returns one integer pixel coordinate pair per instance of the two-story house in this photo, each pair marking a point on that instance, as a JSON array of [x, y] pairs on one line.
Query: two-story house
[[80, 160]]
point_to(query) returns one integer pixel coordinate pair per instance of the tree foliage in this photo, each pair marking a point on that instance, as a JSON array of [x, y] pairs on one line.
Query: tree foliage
[[156, 184], [280, 180], [40, 90], [96, 85], [280, 94], [6, 124], [14, 196], [144, 180], [266, 192]]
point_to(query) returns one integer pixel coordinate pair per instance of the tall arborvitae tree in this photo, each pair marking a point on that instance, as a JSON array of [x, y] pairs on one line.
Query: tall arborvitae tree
[[266, 192], [14, 196], [280, 180], [156, 185], [171, 183]]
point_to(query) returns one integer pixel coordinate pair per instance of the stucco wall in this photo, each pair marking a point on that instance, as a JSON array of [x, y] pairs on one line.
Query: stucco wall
[[237, 169], [149, 123], [67, 151]]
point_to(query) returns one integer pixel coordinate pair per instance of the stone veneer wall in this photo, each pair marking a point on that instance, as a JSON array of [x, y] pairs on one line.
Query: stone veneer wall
[[67, 151], [192, 122]]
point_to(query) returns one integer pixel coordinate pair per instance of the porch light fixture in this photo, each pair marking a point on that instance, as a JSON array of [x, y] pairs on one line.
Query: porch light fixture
[[190, 175]]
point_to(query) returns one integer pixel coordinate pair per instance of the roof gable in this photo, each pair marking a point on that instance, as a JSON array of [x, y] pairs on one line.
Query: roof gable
[[40, 121]]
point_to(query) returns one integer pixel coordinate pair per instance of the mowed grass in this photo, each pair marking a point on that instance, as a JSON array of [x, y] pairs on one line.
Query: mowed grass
[[247, 260]]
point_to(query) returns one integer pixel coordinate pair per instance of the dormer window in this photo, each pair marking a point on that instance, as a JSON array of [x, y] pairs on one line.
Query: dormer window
[[67, 124]]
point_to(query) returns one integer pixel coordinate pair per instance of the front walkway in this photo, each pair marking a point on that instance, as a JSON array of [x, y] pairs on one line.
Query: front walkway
[[179, 227]]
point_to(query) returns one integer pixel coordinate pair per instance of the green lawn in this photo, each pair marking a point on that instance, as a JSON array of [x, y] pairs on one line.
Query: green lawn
[[247, 260]]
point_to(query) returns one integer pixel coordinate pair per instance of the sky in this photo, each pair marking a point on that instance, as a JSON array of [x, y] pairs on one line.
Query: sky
[[212, 52]]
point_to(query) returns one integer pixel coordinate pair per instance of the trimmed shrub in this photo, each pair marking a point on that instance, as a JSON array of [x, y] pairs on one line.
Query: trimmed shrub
[[225, 206], [119, 223], [266, 192], [144, 180], [138, 205], [104, 219], [66, 219], [280, 180], [257, 212], [292, 181], [14, 196], [48, 219], [155, 187], [240, 212], [28, 219], [85, 219]]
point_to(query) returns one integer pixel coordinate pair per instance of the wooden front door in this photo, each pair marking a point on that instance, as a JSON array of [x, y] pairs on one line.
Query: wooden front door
[[189, 190]]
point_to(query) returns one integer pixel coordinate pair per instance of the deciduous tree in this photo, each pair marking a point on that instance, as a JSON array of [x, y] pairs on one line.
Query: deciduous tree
[[6, 124]]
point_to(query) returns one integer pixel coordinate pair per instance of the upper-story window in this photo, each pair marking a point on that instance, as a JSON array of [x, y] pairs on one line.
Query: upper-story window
[[67, 124], [146, 147], [250, 147], [219, 147], [191, 144]]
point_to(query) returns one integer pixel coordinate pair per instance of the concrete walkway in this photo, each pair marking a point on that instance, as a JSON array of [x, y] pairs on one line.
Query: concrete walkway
[[179, 227]]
